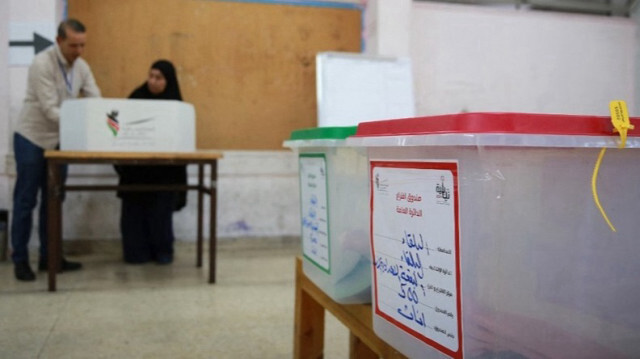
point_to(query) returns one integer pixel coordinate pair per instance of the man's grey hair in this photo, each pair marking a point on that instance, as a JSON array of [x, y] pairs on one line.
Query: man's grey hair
[[72, 24]]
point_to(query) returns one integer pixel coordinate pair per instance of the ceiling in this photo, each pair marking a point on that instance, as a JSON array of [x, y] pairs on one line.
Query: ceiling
[[597, 7]]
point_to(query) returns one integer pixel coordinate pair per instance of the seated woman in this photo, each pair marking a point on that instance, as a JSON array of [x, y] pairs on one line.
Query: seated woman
[[146, 217]]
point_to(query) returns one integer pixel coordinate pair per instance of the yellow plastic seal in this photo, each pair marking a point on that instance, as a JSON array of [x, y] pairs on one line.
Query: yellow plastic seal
[[621, 124], [620, 120]]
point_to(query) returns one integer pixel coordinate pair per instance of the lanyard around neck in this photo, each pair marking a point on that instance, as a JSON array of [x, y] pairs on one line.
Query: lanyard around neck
[[68, 77]]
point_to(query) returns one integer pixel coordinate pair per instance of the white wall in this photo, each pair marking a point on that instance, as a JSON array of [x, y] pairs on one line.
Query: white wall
[[4, 106], [387, 27], [472, 59], [479, 58]]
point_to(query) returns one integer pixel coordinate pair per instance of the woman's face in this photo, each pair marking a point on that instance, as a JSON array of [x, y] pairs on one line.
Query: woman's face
[[156, 82]]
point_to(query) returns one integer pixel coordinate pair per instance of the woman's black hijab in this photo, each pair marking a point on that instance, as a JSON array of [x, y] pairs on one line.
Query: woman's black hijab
[[156, 174], [171, 91]]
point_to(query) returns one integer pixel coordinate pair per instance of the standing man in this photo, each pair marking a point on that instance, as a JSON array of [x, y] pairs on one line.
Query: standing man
[[56, 74]]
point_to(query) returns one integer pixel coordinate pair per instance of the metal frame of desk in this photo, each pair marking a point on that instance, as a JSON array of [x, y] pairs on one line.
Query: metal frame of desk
[[55, 159]]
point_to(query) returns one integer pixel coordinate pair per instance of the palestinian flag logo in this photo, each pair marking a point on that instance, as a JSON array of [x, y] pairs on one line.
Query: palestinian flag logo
[[112, 122]]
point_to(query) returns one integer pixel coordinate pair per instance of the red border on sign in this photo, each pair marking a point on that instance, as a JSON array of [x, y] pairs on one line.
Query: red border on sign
[[448, 166]]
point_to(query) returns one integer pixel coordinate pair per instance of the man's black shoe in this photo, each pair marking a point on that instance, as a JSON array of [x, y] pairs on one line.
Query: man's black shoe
[[65, 266], [23, 272]]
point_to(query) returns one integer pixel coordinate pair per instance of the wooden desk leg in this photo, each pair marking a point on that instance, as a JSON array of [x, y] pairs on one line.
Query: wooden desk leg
[[308, 341], [213, 240], [200, 210], [359, 350], [54, 221]]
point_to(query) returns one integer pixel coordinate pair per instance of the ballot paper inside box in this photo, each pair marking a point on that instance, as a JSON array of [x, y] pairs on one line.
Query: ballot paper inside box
[[127, 125]]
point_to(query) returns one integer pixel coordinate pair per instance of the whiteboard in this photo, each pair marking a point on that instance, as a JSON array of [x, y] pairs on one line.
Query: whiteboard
[[354, 88]]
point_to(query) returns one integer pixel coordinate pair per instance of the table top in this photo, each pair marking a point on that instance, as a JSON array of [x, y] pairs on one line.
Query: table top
[[200, 156]]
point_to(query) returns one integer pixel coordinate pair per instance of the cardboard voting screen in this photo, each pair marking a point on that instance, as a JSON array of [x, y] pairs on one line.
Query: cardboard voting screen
[[127, 125]]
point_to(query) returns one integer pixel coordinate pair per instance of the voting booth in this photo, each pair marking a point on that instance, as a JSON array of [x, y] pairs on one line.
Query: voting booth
[[487, 240], [127, 125], [334, 213]]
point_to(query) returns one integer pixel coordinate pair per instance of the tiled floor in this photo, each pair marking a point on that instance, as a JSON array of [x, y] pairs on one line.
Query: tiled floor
[[114, 310]]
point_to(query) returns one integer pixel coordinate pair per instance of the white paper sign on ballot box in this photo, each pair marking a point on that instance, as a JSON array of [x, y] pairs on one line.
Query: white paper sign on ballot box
[[99, 124], [415, 243]]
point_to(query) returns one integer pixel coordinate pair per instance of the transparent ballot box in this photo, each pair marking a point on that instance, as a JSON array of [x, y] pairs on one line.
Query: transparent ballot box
[[334, 212], [488, 241]]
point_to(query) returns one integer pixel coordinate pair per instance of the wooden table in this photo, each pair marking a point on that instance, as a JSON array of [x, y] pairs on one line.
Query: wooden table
[[311, 302], [56, 188]]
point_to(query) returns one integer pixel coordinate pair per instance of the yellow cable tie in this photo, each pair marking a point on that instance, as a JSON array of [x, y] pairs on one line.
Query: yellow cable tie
[[595, 191], [621, 124]]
